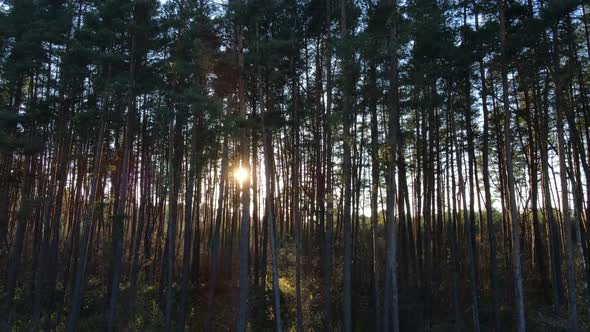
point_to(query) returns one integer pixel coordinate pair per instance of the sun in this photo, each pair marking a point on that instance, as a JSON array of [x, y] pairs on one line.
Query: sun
[[241, 175]]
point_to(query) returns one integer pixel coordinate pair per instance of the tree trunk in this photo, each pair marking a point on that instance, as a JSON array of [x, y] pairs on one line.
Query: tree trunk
[[119, 217], [565, 212], [346, 168], [513, 212], [245, 191], [487, 192]]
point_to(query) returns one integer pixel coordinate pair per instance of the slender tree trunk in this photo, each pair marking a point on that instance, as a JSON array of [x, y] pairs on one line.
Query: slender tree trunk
[[77, 291], [487, 192], [245, 191], [194, 170], [513, 212], [215, 243], [172, 186], [374, 187], [119, 218], [393, 128], [22, 218], [540, 252], [270, 219], [347, 168], [295, 184], [329, 171], [452, 234], [554, 239], [469, 239], [565, 212], [470, 220]]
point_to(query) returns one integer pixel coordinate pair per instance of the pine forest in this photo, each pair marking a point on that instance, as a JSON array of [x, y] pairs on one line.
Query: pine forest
[[295, 165]]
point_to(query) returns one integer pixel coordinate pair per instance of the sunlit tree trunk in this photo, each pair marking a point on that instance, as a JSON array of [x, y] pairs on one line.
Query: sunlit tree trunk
[[245, 192]]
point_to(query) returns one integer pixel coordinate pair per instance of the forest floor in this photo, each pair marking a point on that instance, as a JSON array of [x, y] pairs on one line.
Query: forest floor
[[147, 312]]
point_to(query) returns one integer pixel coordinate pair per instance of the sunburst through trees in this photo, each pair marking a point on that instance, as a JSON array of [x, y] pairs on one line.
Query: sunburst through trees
[[307, 165]]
